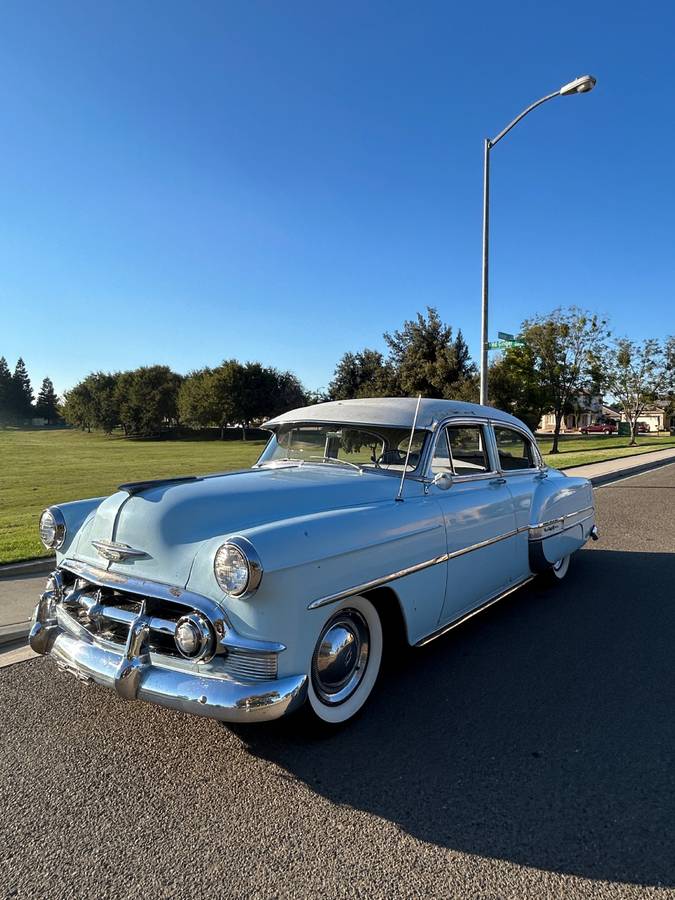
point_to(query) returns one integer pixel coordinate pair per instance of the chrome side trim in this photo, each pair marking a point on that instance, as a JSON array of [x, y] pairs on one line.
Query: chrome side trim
[[377, 582], [473, 612], [560, 524], [410, 570], [481, 544]]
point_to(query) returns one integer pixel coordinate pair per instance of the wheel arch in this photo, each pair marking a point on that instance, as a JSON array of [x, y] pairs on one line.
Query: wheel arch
[[390, 610]]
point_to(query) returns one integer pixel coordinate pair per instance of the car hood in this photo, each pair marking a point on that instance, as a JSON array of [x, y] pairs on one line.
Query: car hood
[[170, 521]]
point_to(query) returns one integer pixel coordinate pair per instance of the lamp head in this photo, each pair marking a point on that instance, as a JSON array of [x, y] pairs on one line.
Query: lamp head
[[581, 85]]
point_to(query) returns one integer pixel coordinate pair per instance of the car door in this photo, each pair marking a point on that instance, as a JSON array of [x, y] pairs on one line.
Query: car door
[[519, 462], [479, 517]]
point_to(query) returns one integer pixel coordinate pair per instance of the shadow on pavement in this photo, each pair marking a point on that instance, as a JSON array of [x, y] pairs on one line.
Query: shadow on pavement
[[541, 732]]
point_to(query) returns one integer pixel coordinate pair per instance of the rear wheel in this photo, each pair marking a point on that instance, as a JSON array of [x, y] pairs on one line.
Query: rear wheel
[[345, 662], [558, 570]]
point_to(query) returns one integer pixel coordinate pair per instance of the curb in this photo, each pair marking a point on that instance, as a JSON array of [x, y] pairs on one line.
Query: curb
[[11, 634], [28, 567], [608, 477]]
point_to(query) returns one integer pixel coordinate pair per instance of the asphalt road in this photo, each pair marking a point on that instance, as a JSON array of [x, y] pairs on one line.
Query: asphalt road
[[529, 754]]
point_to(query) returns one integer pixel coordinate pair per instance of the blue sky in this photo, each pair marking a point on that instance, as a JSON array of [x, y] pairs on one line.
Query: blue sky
[[186, 182]]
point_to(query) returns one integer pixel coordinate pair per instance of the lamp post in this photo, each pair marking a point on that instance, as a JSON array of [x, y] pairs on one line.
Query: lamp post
[[581, 85]]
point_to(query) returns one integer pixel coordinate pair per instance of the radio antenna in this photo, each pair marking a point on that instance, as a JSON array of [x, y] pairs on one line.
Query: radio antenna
[[399, 496]]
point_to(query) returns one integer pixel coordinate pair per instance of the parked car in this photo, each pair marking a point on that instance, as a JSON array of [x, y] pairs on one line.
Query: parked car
[[247, 595], [643, 427], [599, 428]]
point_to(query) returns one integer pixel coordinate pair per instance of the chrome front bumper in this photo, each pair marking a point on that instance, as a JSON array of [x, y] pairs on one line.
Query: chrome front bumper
[[134, 675]]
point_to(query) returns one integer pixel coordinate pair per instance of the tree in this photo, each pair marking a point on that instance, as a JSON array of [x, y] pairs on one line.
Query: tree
[[6, 395], [230, 396], [429, 361], [22, 392], [147, 399], [566, 345], [636, 374], [515, 386], [104, 408], [78, 406], [288, 393], [363, 374], [237, 393], [46, 404], [197, 404], [319, 396]]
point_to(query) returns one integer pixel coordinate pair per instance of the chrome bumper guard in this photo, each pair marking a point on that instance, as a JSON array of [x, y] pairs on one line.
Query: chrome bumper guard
[[133, 671]]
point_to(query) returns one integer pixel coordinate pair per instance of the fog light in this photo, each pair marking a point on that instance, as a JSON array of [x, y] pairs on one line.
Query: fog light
[[194, 637]]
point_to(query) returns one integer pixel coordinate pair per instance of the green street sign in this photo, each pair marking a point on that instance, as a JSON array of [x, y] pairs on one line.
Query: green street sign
[[504, 345], [505, 336]]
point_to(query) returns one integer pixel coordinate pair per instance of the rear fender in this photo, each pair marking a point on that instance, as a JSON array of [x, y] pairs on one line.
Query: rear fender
[[562, 520]]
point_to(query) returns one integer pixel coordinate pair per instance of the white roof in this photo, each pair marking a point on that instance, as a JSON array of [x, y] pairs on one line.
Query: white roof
[[398, 412]]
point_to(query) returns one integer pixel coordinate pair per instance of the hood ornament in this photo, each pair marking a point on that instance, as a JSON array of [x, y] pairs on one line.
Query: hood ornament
[[116, 552]]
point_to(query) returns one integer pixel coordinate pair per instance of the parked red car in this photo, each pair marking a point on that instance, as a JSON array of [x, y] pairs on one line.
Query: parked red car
[[599, 428], [643, 427]]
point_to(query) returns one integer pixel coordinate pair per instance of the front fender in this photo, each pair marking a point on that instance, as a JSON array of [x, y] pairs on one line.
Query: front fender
[[75, 513], [314, 556]]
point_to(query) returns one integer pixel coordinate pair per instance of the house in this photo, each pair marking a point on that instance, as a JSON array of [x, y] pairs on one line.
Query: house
[[659, 417], [587, 409]]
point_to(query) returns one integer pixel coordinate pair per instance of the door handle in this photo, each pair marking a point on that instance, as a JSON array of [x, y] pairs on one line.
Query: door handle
[[498, 481]]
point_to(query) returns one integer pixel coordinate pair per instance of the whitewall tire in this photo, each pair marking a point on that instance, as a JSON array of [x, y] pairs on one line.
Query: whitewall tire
[[559, 569], [345, 662]]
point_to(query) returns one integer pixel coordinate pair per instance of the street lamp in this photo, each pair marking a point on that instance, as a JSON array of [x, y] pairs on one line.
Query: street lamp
[[581, 85]]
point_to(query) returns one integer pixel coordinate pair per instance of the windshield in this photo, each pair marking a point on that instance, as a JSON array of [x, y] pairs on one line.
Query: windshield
[[363, 446]]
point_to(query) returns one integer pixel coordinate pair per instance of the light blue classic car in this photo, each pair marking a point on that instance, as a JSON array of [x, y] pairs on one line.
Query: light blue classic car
[[248, 595]]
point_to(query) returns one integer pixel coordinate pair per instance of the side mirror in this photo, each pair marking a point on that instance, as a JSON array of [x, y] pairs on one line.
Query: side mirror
[[443, 481]]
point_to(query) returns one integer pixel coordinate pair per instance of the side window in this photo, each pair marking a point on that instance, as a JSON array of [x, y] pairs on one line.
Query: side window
[[441, 461], [468, 450], [461, 450], [514, 449]]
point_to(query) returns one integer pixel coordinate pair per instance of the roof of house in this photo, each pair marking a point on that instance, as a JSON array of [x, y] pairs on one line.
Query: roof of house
[[397, 412]]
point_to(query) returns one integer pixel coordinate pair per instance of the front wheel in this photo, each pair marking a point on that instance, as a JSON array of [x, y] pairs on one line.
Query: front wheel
[[345, 662]]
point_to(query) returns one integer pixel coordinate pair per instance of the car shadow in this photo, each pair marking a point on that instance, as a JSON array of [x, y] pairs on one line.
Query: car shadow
[[541, 732]]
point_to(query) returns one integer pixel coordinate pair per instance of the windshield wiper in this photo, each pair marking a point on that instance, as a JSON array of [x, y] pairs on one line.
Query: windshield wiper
[[339, 462]]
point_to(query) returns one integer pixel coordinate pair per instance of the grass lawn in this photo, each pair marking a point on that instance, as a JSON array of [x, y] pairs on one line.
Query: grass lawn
[[41, 467], [578, 449], [38, 468]]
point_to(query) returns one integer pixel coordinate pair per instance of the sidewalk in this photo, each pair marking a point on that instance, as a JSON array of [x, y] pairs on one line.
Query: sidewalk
[[18, 596], [612, 469]]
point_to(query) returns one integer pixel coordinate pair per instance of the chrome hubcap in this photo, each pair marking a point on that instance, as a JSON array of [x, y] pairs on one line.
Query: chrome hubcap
[[340, 658]]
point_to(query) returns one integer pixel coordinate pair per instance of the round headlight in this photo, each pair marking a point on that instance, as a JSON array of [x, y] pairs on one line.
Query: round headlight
[[194, 637], [237, 568], [52, 528]]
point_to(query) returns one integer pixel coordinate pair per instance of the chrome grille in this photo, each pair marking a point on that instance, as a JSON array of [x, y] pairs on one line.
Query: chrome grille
[[108, 613]]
